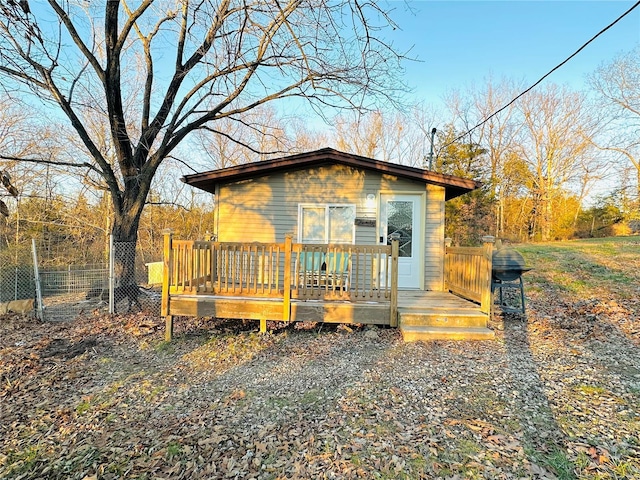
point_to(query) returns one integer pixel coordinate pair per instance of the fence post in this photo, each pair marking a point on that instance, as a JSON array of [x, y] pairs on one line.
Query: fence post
[[485, 273], [286, 300], [39, 308], [167, 262], [395, 252], [112, 274]]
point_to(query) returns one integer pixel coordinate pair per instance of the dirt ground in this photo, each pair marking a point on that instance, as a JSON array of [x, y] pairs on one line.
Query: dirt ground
[[555, 395]]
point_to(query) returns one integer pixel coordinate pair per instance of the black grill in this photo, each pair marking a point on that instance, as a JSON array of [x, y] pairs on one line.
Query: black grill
[[507, 269], [508, 265]]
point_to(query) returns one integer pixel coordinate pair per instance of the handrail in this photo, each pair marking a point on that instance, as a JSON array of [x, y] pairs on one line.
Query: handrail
[[467, 272], [342, 272], [328, 272], [229, 268]]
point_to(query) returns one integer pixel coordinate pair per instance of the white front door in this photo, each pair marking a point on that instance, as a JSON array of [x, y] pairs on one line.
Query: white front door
[[402, 214]]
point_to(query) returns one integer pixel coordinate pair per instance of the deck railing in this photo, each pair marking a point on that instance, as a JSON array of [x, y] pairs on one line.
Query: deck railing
[[217, 268], [280, 270], [342, 272], [467, 272]]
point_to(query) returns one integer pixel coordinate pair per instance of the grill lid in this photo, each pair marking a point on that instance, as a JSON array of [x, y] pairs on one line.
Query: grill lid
[[508, 264]]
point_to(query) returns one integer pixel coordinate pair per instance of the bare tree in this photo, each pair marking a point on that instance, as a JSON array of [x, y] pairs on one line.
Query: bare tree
[[391, 135], [618, 86], [424, 118], [555, 142], [261, 131], [151, 72], [362, 134], [497, 135]]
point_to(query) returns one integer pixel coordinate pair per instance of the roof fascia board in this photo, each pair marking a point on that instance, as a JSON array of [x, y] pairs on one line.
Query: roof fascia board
[[207, 180]]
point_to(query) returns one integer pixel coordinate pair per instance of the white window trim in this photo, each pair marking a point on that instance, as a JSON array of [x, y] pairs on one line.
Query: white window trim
[[326, 207]]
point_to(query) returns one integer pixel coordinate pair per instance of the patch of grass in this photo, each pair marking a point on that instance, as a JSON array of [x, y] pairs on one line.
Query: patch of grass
[[221, 352], [279, 402], [556, 460], [625, 470], [418, 464], [154, 392], [377, 426], [173, 450], [591, 390], [164, 347], [117, 468], [468, 448], [82, 459], [21, 461], [356, 460], [83, 407], [311, 397], [584, 267], [582, 461]]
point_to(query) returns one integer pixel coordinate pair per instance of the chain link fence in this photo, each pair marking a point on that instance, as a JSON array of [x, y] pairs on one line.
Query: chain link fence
[[69, 293], [66, 293], [17, 288]]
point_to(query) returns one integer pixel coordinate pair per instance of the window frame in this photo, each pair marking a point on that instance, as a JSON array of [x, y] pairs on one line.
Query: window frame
[[327, 207]]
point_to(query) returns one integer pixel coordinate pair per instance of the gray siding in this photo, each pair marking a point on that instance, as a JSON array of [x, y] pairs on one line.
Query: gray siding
[[265, 209], [434, 239]]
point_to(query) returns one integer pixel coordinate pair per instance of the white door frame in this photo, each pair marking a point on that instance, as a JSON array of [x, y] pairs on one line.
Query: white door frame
[[418, 241]]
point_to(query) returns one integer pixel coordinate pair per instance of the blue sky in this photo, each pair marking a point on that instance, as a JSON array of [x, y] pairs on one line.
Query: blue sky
[[460, 43]]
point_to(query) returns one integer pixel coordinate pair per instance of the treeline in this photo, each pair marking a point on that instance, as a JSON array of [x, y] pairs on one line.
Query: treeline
[[75, 232]]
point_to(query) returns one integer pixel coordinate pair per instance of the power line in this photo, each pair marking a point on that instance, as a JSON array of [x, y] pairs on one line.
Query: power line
[[544, 76]]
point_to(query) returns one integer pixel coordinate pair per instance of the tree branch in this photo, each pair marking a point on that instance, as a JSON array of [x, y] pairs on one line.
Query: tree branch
[[149, 134], [51, 162], [113, 90], [238, 142], [75, 36]]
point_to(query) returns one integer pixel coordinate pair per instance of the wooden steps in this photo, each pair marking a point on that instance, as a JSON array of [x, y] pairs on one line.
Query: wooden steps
[[451, 319], [427, 333]]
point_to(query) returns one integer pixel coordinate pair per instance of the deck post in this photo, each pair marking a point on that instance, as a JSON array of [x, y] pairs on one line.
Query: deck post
[[447, 263], [485, 273], [286, 294], [395, 251], [166, 270]]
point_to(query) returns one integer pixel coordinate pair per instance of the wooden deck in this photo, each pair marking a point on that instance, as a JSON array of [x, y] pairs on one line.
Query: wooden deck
[[263, 309], [352, 284], [421, 315]]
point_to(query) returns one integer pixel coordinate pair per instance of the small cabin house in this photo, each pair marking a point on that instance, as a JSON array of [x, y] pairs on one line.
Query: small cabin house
[[341, 214]]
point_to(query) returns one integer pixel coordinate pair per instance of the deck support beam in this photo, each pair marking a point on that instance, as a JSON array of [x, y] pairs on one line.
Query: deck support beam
[[168, 329], [166, 270]]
